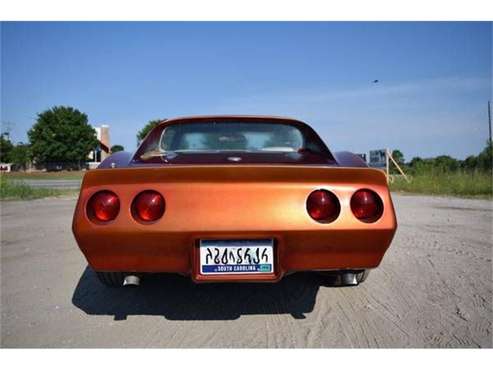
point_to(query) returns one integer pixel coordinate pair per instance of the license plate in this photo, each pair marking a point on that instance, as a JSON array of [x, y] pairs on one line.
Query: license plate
[[236, 257]]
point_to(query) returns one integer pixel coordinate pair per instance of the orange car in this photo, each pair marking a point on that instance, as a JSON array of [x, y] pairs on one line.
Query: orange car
[[233, 199]]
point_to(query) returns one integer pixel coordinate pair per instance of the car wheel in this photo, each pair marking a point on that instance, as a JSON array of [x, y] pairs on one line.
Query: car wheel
[[112, 279]]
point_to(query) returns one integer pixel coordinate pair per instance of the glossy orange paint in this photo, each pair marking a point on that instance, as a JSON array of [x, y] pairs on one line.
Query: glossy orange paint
[[233, 202]]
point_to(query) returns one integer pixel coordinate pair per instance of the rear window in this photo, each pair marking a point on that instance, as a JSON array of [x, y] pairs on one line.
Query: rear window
[[231, 136]]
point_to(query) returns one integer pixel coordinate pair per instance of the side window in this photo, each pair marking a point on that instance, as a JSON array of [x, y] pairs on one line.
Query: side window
[[167, 138]]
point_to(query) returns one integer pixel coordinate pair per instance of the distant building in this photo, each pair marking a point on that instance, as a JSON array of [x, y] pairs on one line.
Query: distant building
[[378, 158], [102, 150]]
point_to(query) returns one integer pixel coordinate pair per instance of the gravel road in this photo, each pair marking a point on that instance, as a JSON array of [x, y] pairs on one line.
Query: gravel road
[[433, 289]]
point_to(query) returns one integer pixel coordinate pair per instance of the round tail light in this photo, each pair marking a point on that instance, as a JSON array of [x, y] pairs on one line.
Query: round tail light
[[103, 206], [148, 206], [366, 205], [323, 206]]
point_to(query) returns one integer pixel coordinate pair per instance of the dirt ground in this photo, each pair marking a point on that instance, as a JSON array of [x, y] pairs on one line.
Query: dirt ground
[[433, 289]]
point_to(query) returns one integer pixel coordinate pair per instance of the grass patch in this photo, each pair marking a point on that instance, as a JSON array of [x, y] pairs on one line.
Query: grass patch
[[14, 190], [60, 175], [460, 183]]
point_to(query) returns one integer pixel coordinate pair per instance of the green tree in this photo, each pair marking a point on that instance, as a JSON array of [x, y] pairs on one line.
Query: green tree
[[470, 163], [62, 135], [117, 148], [415, 162], [420, 166], [485, 162], [20, 156], [398, 156], [6, 147], [445, 163], [147, 128]]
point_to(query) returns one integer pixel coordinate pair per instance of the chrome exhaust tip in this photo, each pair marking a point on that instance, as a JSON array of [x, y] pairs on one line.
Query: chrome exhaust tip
[[348, 279], [343, 278], [131, 280]]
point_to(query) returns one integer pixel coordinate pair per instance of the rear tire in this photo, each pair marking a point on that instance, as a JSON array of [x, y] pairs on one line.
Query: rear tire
[[112, 279]]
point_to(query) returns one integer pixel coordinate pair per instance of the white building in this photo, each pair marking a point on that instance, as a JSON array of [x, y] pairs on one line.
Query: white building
[[102, 151]]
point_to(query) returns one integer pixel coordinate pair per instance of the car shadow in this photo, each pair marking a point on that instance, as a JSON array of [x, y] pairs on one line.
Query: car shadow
[[178, 298]]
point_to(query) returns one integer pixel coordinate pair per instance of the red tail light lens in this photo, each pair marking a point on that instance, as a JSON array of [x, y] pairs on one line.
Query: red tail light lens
[[323, 206], [148, 206], [103, 206], [366, 205]]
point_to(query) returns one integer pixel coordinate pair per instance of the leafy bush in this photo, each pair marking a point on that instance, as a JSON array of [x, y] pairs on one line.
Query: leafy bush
[[20, 156]]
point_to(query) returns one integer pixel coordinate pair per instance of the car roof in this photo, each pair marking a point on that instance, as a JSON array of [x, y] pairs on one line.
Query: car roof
[[228, 117]]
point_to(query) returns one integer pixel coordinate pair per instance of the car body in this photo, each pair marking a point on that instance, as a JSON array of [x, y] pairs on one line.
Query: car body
[[239, 185]]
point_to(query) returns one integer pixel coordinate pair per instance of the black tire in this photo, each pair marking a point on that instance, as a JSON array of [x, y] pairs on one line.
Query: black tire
[[112, 279]]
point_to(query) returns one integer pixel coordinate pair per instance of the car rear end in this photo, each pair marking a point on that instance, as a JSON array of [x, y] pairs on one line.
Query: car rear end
[[242, 222]]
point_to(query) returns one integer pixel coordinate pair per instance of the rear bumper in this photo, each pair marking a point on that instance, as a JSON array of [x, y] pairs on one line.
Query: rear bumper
[[178, 252]]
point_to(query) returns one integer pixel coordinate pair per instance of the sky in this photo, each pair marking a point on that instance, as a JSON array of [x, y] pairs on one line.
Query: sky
[[435, 79]]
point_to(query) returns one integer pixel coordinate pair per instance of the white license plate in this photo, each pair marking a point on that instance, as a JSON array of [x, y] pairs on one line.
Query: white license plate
[[236, 256]]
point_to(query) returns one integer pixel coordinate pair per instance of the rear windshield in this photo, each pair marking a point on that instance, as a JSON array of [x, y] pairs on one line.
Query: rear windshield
[[224, 136]]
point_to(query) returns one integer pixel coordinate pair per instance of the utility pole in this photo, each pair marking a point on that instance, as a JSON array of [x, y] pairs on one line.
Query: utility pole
[[387, 151], [489, 117], [490, 143]]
